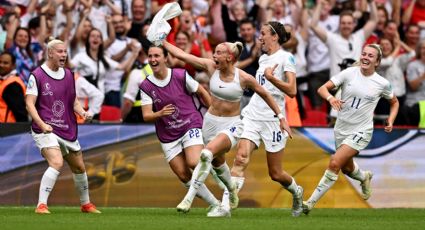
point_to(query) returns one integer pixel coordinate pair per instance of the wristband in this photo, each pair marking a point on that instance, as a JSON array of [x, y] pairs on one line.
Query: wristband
[[280, 116], [329, 97]]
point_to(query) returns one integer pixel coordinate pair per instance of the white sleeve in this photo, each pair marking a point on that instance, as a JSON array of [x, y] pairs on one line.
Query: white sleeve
[[133, 83], [191, 84], [113, 64], [146, 99], [340, 78], [86, 90], [387, 93], [32, 86], [289, 65]]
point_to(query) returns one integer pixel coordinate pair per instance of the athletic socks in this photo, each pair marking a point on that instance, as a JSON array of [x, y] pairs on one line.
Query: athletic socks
[[82, 185], [46, 185]]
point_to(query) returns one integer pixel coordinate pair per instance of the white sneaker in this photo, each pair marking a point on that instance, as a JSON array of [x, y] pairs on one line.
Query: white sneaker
[[184, 206], [366, 189], [297, 202], [233, 199], [307, 207], [218, 211]]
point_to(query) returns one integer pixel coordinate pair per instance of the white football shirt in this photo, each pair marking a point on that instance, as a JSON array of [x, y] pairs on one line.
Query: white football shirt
[[257, 109]]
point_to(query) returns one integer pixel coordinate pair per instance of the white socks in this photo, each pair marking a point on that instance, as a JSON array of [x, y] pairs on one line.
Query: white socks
[[293, 187], [200, 174], [205, 194], [46, 185], [82, 185], [239, 182], [327, 181], [357, 173], [223, 173]]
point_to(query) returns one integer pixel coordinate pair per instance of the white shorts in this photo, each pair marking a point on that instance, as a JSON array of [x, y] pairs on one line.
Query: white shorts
[[357, 140], [213, 125], [190, 138], [45, 140], [267, 131]]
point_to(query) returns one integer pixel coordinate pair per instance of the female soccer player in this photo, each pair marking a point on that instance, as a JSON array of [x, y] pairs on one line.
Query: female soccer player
[[222, 125], [167, 100], [51, 101], [361, 90], [260, 123]]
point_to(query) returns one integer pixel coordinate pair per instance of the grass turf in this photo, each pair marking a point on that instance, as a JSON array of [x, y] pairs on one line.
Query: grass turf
[[244, 218]]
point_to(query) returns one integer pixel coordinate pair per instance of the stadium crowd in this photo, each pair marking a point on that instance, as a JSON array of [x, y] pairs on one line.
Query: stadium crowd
[[104, 40]]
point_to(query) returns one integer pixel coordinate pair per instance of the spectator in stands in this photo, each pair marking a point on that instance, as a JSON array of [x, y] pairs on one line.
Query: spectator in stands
[[393, 67], [93, 63], [138, 11], [248, 60], [55, 130], [414, 13], [100, 10], [9, 23], [411, 37], [12, 90], [131, 110], [21, 49], [415, 75], [119, 51], [90, 97], [318, 60]]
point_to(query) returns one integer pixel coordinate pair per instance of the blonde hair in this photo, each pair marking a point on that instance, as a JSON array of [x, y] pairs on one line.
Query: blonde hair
[[53, 42], [378, 49], [234, 49]]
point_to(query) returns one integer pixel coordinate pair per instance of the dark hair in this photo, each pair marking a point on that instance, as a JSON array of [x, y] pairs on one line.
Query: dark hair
[[165, 51], [185, 34], [34, 23], [28, 46], [11, 56], [346, 13], [279, 29], [5, 18], [100, 52], [247, 21]]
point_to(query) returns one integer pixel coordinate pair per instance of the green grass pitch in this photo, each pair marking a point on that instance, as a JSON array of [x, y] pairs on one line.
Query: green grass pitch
[[63, 218]]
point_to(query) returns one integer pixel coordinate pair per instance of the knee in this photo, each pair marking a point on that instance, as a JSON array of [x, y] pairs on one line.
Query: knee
[[274, 175], [334, 165], [56, 164], [184, 176], [79, 169]]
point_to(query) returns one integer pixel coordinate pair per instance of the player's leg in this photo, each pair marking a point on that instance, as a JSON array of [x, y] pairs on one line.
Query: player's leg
[[49, 148], [191, 156], [276, 173], [343, 155], [79, 175]]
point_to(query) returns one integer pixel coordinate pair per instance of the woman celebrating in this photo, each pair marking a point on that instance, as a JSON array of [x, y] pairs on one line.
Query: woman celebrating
[[361, 89], [276, 74], [222, 125], [167, 100]]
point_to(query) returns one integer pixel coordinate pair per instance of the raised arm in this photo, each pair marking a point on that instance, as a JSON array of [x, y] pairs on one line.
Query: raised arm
[[200, 63], [314, 25], [370, 26]]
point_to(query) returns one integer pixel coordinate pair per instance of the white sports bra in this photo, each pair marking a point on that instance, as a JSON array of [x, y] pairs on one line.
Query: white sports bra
[[227, 91]]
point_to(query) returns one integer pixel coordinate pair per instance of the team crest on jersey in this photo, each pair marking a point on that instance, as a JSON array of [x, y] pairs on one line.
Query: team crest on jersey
[[292, 60]]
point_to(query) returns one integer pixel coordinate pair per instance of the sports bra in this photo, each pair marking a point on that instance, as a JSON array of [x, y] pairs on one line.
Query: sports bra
[[227, 91]]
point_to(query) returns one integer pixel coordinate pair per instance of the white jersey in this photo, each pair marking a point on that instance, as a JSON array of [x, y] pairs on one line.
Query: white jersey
[[257, 109], [360, 95]]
